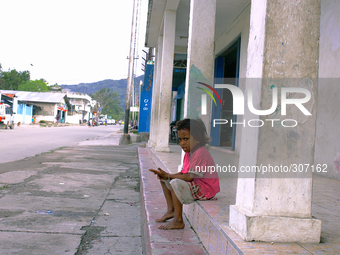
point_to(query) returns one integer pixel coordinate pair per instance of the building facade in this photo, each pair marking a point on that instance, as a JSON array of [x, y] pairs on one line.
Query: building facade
[[81, 107], [264, 50]]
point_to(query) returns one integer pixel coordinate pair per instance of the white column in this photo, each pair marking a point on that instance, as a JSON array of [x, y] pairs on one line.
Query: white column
[[200, 59], [155, 93], [169, 26], [282, 52]]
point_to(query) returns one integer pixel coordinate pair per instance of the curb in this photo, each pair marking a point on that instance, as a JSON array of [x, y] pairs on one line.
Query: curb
[[153, 205]]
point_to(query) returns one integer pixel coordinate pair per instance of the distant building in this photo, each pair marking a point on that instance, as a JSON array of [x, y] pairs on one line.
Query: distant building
[[41, 106], [69, 107], [81, 105]]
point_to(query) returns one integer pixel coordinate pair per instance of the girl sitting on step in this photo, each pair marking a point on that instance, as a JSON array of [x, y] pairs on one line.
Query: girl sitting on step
[[195, 181]]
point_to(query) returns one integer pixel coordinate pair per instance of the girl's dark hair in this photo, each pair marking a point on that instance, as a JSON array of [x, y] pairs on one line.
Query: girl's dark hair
[[197, 129]]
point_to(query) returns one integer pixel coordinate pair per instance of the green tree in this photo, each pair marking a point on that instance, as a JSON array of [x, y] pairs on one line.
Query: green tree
[[114, 110], [109, 102], [55, 87], [2, 81], [12, 79], [35, 86]]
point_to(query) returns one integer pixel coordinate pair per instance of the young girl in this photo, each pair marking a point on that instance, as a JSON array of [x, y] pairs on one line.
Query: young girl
[[195, 181]]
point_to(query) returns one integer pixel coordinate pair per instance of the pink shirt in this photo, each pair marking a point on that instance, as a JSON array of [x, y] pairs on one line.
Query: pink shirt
[[201, 161]]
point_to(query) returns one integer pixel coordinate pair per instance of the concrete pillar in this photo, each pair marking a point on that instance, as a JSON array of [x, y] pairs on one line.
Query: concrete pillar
[[155, 93], [200, 60], [166, 72], [282, 52]]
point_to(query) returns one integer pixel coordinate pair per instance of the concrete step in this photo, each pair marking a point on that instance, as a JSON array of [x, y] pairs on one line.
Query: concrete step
[[153, 206]]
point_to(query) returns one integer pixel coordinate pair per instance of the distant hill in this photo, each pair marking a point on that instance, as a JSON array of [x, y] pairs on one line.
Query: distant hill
[[118, 86]]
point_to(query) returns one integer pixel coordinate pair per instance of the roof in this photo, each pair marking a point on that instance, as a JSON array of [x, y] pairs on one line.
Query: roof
[[43, 97], [226, 13], [78, 95], [9, 95]]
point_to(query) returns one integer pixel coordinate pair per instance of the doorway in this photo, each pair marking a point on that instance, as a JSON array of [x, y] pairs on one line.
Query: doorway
[[226, 72]]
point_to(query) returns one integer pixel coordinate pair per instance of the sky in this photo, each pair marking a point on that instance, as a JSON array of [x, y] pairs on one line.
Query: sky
[[70, 41]]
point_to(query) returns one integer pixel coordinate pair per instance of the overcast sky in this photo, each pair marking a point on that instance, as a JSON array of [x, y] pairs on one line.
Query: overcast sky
[[69, 41]]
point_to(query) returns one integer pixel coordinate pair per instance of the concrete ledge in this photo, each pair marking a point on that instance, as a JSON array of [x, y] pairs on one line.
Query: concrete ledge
[[144, 136], [214, 238], [153, 206], [162, 149], [274, 229], [151, 143], [135, 138]]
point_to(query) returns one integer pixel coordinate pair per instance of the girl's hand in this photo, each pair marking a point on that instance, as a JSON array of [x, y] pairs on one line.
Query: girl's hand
[[161, 174]]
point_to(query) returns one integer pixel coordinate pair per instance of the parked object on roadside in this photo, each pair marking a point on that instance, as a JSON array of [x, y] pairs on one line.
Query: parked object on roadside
[[6, 116]]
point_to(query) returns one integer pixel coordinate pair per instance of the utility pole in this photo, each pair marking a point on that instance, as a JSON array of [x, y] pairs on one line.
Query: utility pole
[[130, 75], [133, 100]]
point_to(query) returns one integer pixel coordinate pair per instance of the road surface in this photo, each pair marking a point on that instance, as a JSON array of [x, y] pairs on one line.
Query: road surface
[[28, 141]]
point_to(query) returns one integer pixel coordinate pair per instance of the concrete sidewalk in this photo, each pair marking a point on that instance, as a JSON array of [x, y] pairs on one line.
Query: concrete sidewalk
[[75, 200], [210, 219]]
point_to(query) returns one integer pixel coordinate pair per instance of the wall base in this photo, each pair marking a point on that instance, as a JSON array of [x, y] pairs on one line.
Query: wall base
[[273, 228], [151, 143], [125, 139], [144, 136], [162, 148]]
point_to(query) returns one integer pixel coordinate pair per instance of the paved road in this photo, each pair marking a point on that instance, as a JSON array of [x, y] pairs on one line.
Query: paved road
[[28, 141], [82, 199]]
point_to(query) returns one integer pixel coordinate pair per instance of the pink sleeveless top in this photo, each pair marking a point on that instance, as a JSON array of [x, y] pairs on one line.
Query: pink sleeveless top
[[201, 161]]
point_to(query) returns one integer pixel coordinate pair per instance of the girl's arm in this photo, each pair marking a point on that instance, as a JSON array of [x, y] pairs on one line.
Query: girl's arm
[[185, 177], [166, 176]]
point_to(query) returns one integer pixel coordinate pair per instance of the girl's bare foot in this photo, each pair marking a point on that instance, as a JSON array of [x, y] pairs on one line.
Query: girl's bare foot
[[174, 224], [166, 216]]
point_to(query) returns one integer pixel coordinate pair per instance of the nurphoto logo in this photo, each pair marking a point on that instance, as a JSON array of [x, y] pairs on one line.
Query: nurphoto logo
[[238, 104]]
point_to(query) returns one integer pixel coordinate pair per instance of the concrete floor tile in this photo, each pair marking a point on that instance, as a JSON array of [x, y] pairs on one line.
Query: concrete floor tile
[[183, 236], [38, 243], [35, 221], [115, 246], [178, 249]]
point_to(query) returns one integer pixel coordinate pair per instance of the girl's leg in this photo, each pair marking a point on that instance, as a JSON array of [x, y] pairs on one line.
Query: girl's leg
[[177, 222], [170, 206]]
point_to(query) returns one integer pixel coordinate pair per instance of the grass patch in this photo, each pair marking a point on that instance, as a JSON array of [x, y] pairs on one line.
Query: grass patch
[[134, 132], [4, 187], [51, 151]]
